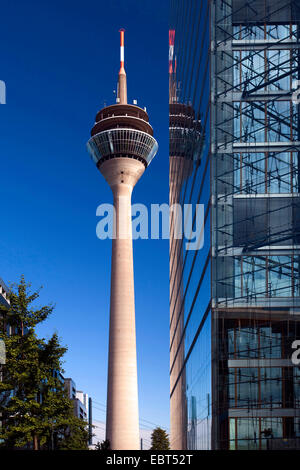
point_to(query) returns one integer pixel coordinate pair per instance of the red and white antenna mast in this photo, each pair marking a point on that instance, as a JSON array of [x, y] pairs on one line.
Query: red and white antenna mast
[[171, 49], [172, 72], [122, 83]]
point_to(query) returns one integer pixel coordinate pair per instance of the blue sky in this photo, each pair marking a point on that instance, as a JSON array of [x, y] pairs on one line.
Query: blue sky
[[60, 62]]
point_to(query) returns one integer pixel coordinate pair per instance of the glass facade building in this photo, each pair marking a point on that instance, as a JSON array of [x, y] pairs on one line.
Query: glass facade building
[[234, 147], [4, 298]]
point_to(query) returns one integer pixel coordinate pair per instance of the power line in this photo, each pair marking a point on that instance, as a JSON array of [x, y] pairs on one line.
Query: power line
[[141, 419]]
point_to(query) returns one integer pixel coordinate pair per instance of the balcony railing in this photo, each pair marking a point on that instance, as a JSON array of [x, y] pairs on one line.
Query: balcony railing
[[122, 142]]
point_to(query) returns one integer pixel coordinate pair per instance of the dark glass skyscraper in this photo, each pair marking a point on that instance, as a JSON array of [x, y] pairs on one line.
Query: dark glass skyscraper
[[234, 147]]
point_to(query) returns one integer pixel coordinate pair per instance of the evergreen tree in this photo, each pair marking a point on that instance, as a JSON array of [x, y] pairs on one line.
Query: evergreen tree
[[104, 445], [159, 439], [75, 435], [35, 408]]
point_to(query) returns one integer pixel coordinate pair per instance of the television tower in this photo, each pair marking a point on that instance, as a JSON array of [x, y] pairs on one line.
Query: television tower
[[122, 146]]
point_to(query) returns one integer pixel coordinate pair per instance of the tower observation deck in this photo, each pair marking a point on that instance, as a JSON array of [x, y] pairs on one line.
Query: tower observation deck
[[122, 146], [122, 129]]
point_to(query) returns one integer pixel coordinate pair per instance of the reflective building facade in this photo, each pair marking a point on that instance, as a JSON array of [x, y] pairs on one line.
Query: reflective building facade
[[4, 297], [234, 147]]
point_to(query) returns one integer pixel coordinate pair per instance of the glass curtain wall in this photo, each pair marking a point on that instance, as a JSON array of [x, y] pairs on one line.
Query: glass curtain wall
[[255, 228], [190, 270], [234, 147]]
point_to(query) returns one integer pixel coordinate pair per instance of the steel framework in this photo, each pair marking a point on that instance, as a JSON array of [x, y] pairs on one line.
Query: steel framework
[[256, 225]]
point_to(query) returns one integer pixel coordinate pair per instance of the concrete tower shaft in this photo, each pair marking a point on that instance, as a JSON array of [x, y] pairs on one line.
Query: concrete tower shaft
[[122, 428], [122, 146]]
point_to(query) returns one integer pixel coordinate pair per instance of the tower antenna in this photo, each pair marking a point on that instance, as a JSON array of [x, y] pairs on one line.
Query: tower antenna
[[122, 83], [172, 70]]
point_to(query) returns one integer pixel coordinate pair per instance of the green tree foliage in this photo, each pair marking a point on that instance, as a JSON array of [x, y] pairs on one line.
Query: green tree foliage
[[104, 445], [36, 411], [159, 439], [75, 435]]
